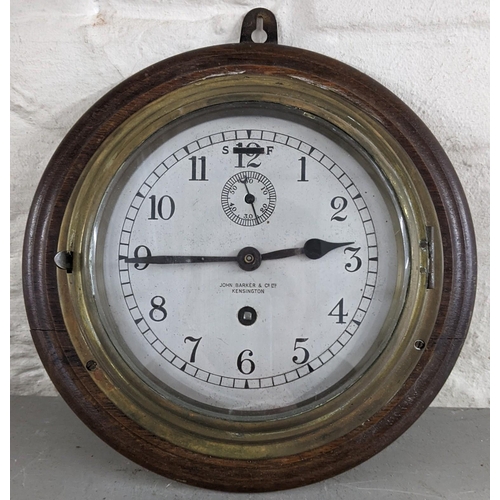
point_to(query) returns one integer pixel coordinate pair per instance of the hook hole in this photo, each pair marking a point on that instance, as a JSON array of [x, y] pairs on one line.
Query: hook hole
[[259, 35]]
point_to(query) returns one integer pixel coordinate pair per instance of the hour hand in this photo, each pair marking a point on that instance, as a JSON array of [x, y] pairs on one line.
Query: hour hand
[[313, 249]]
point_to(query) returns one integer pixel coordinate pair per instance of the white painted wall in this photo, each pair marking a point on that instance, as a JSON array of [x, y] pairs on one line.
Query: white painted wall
[[434, 55]]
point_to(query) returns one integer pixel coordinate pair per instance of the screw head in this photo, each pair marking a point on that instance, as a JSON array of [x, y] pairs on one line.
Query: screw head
[[419, 345], [91, 365]]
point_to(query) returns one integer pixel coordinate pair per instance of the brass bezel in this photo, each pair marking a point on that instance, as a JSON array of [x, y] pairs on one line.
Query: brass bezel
[[274, 438]]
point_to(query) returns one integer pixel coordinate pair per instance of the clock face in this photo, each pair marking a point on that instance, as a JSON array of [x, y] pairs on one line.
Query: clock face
[[199, 270]]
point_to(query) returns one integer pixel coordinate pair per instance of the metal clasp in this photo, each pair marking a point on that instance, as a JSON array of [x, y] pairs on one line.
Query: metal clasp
[[64, 260]]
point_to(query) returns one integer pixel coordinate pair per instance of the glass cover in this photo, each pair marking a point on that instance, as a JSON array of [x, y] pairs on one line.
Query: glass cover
[[205, 277]]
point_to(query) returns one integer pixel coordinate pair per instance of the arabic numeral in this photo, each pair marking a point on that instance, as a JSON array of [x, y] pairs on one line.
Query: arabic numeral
[[302, 170], [245, 365], [338, 312], [146, 252], [163, 209], [192, 359], [339, 204], [352, 267], [194, 168], [305, 352], [252, 150], [158, 312]]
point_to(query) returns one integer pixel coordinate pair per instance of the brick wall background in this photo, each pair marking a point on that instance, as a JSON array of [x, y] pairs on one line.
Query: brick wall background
[[432, 54]]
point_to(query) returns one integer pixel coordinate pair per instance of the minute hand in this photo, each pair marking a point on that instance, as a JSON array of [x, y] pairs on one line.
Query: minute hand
[[313, 249], [177, 259]]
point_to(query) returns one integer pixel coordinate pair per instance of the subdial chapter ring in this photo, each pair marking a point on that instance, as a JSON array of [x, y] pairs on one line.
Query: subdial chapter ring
[[248, 198]]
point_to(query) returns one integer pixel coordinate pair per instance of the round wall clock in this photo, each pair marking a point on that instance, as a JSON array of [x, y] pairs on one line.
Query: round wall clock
[[249, 267]]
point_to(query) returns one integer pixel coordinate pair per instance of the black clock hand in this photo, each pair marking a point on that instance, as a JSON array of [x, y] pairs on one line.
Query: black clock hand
[[250, 198], [313, 249], [248, 258], [177, 259]]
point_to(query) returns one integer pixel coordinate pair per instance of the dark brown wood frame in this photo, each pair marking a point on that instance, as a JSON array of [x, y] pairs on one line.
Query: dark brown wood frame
[[72, 379]]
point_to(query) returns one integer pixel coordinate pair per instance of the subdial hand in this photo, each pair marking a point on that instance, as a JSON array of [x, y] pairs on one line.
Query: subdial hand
[[249, 198]]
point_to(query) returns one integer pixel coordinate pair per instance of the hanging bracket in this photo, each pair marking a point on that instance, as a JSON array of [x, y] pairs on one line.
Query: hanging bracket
[[259, 26]]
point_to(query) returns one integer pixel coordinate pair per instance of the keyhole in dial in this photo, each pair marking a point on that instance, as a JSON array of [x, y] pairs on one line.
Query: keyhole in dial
[[247, 315], [259, 35]]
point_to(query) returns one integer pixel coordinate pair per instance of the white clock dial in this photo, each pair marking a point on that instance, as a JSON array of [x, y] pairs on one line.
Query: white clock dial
[[196, 324]]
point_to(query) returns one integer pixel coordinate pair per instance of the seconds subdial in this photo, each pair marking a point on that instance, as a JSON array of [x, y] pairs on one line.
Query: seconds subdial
[[248, 198]]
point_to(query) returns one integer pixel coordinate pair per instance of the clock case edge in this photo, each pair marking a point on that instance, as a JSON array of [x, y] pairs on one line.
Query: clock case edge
[[72, 379]]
